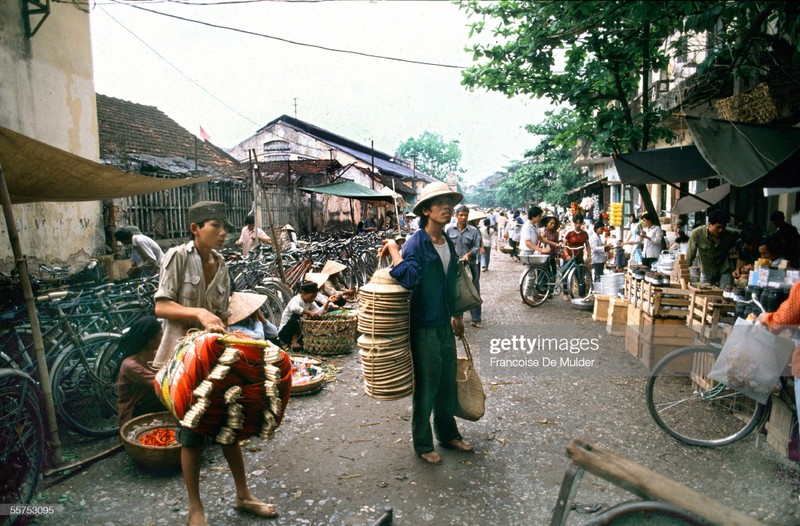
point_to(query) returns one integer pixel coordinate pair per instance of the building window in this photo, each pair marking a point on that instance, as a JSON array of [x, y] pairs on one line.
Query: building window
[[278, 157], [276, 146]]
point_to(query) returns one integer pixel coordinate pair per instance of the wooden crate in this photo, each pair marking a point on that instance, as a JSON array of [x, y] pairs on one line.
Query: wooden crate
[[700, 368], [706, 312], [632, 341], [650, 354], [779, 426], [634, 318], [660, 300], [665, 331], [601, 307], [617, 318], [115, 269]]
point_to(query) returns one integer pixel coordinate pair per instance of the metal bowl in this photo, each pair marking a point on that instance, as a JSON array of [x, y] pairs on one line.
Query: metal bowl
[[536, 260], [586, 304]]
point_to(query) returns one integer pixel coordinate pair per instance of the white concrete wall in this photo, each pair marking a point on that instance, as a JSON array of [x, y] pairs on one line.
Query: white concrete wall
[[47, 93]]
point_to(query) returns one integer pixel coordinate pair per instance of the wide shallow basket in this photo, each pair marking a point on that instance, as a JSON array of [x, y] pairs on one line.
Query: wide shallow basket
[[152, 457], [534, 260], [330, 334], [312, 385]]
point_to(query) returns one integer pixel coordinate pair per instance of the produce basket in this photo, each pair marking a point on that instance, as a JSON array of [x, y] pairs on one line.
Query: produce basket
[[331, 334], [153, 457], [309, 383]]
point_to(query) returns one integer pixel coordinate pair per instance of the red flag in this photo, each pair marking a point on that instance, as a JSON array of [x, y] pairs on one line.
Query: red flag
[[203, 135]]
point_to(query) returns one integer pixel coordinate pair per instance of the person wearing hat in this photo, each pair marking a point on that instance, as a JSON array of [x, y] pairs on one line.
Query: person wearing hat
[[413, 222], [467, 240], [251, 236], [427, 267], [138, 346], [332, 286], [146, 254], [246, 317], [193, 293]]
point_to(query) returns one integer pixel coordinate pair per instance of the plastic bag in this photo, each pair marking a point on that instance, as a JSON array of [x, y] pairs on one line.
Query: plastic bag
[[752, 360]]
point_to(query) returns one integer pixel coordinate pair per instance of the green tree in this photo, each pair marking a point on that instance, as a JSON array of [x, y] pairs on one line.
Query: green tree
[[432, 154]]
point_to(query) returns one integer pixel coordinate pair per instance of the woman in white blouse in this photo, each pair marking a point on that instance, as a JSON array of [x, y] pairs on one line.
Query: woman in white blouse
[[651, 237]]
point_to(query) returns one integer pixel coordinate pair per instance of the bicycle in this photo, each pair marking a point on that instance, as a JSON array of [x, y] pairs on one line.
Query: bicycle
[[697, 410], [537, 282], [22, 436]]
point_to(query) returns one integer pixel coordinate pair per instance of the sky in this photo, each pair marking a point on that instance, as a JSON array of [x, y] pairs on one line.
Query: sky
[[232, 83]]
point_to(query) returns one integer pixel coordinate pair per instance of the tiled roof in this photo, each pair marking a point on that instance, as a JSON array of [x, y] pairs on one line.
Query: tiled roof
[[147, 136]]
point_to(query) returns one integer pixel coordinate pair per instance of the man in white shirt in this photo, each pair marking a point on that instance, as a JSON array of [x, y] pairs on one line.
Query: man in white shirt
[[146, 254]]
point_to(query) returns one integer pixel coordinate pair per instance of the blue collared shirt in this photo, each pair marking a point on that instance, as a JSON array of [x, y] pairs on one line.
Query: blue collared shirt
[[422, 273], [467, 241]]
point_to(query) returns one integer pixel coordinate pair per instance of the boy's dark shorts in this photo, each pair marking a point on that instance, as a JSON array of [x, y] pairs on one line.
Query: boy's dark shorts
[[189, 438]]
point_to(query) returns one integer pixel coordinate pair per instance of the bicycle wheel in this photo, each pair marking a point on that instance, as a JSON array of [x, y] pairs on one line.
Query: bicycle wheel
[[77, 394], [109, 359], [533, 286], [22, 436], [694, 409], [579, 285]]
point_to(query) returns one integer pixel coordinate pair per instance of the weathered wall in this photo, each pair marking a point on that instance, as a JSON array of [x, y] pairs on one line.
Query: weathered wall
[[47, 93]]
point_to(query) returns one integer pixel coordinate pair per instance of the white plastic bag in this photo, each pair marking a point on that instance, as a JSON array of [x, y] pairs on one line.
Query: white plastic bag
[[752, 360]]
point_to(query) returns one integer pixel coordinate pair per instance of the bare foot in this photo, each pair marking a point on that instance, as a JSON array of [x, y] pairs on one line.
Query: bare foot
[[431, 457]]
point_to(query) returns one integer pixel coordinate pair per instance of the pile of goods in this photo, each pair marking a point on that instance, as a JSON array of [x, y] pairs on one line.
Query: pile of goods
[[307, 376], [158, 437], [228, 387], [384, 322]]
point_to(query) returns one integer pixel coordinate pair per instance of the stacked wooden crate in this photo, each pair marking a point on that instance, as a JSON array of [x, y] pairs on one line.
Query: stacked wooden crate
[[680, 271], [708, 313], [656, 320], [780, 425]]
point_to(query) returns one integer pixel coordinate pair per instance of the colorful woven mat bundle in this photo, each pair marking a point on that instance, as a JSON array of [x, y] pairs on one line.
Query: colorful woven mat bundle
[[228, 387]]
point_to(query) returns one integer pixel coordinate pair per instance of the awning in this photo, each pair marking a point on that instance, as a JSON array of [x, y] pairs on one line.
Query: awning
[[691, 203], [740, 153], [594, 182], [35, 172], [665, 165], [746, 153], [349, 190]]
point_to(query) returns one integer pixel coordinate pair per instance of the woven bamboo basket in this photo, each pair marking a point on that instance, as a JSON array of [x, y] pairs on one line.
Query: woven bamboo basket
[[313, 385], [152, 457], [330, 334]]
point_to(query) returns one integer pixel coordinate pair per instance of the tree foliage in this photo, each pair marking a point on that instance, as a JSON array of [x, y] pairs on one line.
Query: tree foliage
[[432, 154], [608, 48]]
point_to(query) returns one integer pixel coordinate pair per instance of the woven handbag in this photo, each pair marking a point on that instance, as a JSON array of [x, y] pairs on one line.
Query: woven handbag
[[471, 398]]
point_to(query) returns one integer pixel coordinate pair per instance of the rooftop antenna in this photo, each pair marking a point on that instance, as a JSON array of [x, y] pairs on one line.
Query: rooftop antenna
[[295, 107]]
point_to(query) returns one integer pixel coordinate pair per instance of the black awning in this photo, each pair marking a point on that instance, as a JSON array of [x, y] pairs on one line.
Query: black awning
[[743, 154], [663, 166]]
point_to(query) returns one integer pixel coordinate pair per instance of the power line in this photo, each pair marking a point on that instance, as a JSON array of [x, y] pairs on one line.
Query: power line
[[293, 42], [179, 71]]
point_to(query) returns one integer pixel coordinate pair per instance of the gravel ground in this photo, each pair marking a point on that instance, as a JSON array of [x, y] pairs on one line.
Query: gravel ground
[[341, 458]]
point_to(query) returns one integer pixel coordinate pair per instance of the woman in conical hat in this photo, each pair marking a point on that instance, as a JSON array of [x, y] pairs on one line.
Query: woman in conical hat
[[246, 317]]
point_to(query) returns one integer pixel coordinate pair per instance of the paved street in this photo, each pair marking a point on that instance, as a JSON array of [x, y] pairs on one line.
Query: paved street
[[340, 457]]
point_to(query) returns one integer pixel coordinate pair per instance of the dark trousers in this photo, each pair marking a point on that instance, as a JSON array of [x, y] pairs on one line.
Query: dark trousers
[[598, 269], [433, 351], [291, 329], [475, 313]]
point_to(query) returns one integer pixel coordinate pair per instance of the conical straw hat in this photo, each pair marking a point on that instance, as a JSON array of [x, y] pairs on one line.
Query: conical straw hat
[[332, 267], [243, 304]]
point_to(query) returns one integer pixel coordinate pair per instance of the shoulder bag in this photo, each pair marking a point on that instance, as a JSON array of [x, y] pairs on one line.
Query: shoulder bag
[[466, 295], [471, 398]]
